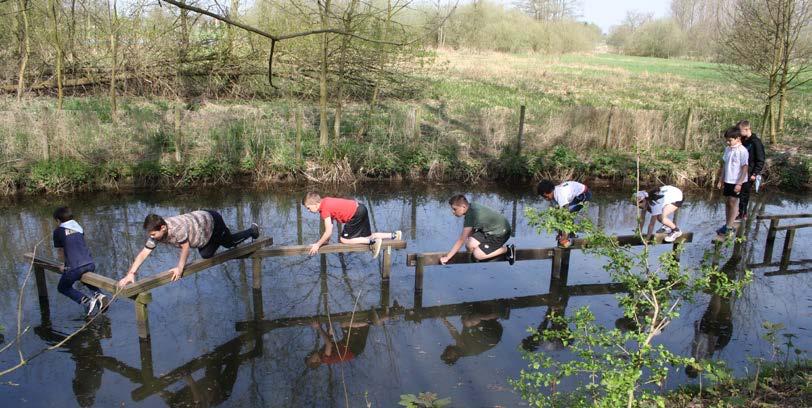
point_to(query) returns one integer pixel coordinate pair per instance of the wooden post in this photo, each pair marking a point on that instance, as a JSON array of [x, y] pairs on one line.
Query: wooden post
[[256, 272], [142, 314], [256, 298], [385, 293], [297, 113], [414, 216], [42, 291], [147, 370], [178, 132], [608, 136], [785, 254], [556, 265], [521, 131], [686, 137], [416, 130], [768, 248], [299, 237], [387, 263], [513, 223]]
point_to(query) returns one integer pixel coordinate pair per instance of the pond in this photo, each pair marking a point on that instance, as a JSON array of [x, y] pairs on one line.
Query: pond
[[210, 345]]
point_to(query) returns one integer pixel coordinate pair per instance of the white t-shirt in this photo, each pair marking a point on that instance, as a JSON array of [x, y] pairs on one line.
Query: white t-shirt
[[565, 192], [735, 158], [670, 195]]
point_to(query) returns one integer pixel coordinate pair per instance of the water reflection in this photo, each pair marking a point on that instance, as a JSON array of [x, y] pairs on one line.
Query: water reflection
[[475, 316]]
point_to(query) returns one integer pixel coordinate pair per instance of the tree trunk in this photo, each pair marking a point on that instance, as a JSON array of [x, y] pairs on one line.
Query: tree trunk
[[324, 12], [183, 52], [113, 10], [381, 62], [25, 48], [58, 47], [342, 63]]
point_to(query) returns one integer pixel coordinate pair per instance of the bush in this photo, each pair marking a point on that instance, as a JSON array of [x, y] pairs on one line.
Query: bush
[[60, 175]]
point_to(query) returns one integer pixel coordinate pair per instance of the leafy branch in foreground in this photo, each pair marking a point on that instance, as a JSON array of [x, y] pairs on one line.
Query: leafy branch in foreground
[[612, 366]]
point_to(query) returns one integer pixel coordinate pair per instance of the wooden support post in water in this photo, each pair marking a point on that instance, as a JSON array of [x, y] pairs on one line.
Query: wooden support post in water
[[418, 281], [785, 254], [142, 314], [686, 137], [256, 298], [147, 371], [521, 131], [561, 263], [386, 268], [42, 291], [256, 272], [385, 293], [768, 248]]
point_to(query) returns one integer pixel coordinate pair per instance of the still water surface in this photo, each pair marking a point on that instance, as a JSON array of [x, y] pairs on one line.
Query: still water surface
[[463, 343]]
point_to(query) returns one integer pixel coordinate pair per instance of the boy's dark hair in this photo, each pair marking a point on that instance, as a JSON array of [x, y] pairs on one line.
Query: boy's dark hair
[[311, 198], [458, 199], [654, 195], [743, 123], [153, 222], [545, 187], [733, 133], [63, 214]]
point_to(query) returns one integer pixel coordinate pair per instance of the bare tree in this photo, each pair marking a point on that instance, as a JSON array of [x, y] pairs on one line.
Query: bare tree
[[550, 10]]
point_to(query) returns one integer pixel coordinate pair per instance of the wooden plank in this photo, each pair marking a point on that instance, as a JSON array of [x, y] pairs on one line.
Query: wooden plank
[[793, 227], [782, 216], [528, 254], [160, 279], [781, 272], [91, 278], [291, 250], [522, 254], [774, 264]]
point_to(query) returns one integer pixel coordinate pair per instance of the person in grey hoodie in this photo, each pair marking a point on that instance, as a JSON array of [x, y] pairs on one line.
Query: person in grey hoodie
[[69, 240]]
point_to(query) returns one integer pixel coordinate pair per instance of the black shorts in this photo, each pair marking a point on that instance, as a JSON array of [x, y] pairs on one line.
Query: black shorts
[[489, 243], [730, 191], [677, 204], [358, 225]]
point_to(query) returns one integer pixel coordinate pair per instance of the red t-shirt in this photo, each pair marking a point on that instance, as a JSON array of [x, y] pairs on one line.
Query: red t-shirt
[[339, 209]]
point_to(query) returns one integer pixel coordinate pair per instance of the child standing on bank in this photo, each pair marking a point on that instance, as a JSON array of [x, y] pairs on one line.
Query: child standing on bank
[[69, 240], [570, 195], [733, 173], [355, 218], [484, 232], [660, 203]]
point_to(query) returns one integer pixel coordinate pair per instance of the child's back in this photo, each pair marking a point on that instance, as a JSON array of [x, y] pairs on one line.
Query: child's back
[[70, 237]]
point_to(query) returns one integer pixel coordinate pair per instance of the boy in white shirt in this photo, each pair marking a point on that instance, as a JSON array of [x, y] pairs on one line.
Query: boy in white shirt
[[660, 203], [733, 172], [570, 195]]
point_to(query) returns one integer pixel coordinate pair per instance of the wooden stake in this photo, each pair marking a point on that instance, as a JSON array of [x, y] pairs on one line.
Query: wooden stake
[[142, 314], [256, 272], [686, 137], [785, 254], [42, 290]]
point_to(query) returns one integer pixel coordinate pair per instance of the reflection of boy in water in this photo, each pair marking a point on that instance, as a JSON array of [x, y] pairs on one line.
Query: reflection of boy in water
[[481, 331], [712, 333], [352, 343], [86, 351]]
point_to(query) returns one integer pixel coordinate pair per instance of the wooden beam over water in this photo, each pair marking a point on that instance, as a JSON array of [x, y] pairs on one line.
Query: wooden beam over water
[[90, 278], [160, 279], [291, 250], [782, 216], [528, 254]]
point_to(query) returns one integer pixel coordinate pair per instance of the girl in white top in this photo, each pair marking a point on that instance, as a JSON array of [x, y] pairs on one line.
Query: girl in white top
[[660, 203]]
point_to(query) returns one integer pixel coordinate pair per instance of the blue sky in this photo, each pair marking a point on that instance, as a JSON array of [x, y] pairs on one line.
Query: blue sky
[[606, 13]]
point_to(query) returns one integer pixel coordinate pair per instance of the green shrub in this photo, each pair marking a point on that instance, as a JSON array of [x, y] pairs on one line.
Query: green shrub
[[60, 175]]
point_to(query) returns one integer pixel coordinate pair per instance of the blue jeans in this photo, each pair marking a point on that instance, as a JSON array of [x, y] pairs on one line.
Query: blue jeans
[[70, 277], [577, 203]]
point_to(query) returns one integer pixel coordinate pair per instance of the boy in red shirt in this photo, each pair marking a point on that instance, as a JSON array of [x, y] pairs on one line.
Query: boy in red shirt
[[353, 215]]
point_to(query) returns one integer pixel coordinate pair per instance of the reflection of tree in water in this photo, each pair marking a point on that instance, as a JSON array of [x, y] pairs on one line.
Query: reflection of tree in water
[[85, 350]]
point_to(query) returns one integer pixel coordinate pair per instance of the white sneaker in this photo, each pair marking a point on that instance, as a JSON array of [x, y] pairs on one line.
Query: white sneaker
[[376, 248], [91, 304], [673, 235], [398, 235], [102, 302]]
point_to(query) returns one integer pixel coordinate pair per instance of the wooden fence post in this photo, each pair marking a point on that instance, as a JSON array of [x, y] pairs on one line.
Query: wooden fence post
[[256, 272], [147, 370], [608, 136], [768, 247], [416, 130], [521, 131], [387, 263], [418, 281], [686, 137]]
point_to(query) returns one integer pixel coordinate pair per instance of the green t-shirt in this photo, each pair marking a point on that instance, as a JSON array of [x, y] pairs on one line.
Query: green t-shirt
[[484, 219]]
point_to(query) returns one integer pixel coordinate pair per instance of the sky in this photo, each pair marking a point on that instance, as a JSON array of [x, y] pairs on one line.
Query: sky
[[606, 13]]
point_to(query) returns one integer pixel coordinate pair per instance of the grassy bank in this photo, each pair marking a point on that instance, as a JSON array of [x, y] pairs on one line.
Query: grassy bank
[[463, 127], [775, 386]]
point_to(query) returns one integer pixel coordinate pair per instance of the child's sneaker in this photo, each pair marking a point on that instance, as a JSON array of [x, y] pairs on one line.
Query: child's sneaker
[[673, 235], [511, 254], [398, 235], [102, 302], [91, 305], [376, 248], [722, 231]]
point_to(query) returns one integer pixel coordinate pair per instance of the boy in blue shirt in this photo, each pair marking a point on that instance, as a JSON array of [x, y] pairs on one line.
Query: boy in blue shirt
[[69, 240]]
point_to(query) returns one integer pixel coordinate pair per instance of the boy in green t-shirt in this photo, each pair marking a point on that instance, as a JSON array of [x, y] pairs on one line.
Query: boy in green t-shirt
[[484, 231]]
